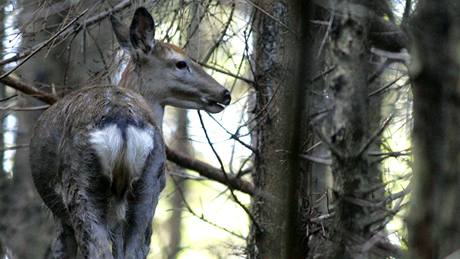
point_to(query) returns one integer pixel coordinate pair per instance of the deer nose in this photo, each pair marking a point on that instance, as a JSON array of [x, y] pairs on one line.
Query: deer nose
[[227, 97]]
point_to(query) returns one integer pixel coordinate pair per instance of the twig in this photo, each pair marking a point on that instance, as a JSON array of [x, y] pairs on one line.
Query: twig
[[327, 71], [271, 16], [8, 98], [391, 154], [374, 136], [34, 108], [15, 147], [326, 35], [247, 80], [322, 217], [331, 146], [317, 160], [201, 217], [233, 136], [379, 71], [222, 35], [383, 88], [225, 174]]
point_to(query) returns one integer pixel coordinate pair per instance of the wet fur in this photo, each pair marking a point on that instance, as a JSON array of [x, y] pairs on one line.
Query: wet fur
[[67, 171]]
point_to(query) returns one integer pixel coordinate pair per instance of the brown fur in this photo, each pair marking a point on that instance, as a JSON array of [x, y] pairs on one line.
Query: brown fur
[[175, 48]]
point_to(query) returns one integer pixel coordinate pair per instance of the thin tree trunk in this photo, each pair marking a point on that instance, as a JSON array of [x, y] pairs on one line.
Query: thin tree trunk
[[175, 220], [181, 140], [349, 137], [434, 226], [282, 76]]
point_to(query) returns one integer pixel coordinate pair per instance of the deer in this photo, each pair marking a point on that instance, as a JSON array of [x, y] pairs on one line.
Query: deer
[[98, 155]]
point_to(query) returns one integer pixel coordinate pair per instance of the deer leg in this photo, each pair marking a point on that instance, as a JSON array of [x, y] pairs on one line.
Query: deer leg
[[148, 237], [90, 230], [86, 216], [64, 246], [140, 214], [142, 202], [118, 241]]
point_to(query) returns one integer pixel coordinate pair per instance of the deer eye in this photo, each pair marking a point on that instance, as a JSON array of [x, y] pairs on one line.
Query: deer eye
[[181, 65]]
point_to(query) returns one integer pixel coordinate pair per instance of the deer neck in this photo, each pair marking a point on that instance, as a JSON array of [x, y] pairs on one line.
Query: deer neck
[[131, 79]]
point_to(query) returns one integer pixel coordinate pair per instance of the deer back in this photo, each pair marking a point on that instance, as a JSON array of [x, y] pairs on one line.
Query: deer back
[[110, 129]]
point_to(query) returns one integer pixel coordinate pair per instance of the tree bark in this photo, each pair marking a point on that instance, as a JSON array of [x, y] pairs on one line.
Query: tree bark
[[282, 78], [434, 226], [349, 136]]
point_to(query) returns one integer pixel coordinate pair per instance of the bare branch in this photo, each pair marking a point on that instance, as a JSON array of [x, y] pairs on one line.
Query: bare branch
[[29, 90], [209, 171]]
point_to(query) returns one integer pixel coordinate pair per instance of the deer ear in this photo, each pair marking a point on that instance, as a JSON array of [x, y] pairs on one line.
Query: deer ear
[[142, 30], [121, 32]]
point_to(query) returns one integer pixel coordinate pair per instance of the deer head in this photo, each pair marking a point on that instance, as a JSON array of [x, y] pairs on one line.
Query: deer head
[[162, 72]]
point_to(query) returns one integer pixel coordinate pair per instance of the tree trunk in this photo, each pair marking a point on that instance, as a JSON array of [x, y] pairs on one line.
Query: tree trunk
[[282, 78], [349, 138], [176, 200], [434, 226]]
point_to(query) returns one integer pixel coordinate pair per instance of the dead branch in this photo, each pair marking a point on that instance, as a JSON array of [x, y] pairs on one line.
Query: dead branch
[[209, 171], [15, 83]]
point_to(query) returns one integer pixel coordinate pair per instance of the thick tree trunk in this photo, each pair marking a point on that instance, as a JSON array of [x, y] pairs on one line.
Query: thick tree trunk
[[434, 226], [282, 76]]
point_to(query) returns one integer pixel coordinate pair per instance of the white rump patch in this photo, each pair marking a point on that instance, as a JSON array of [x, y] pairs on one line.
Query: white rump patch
[[139, 144], [108, 143]]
